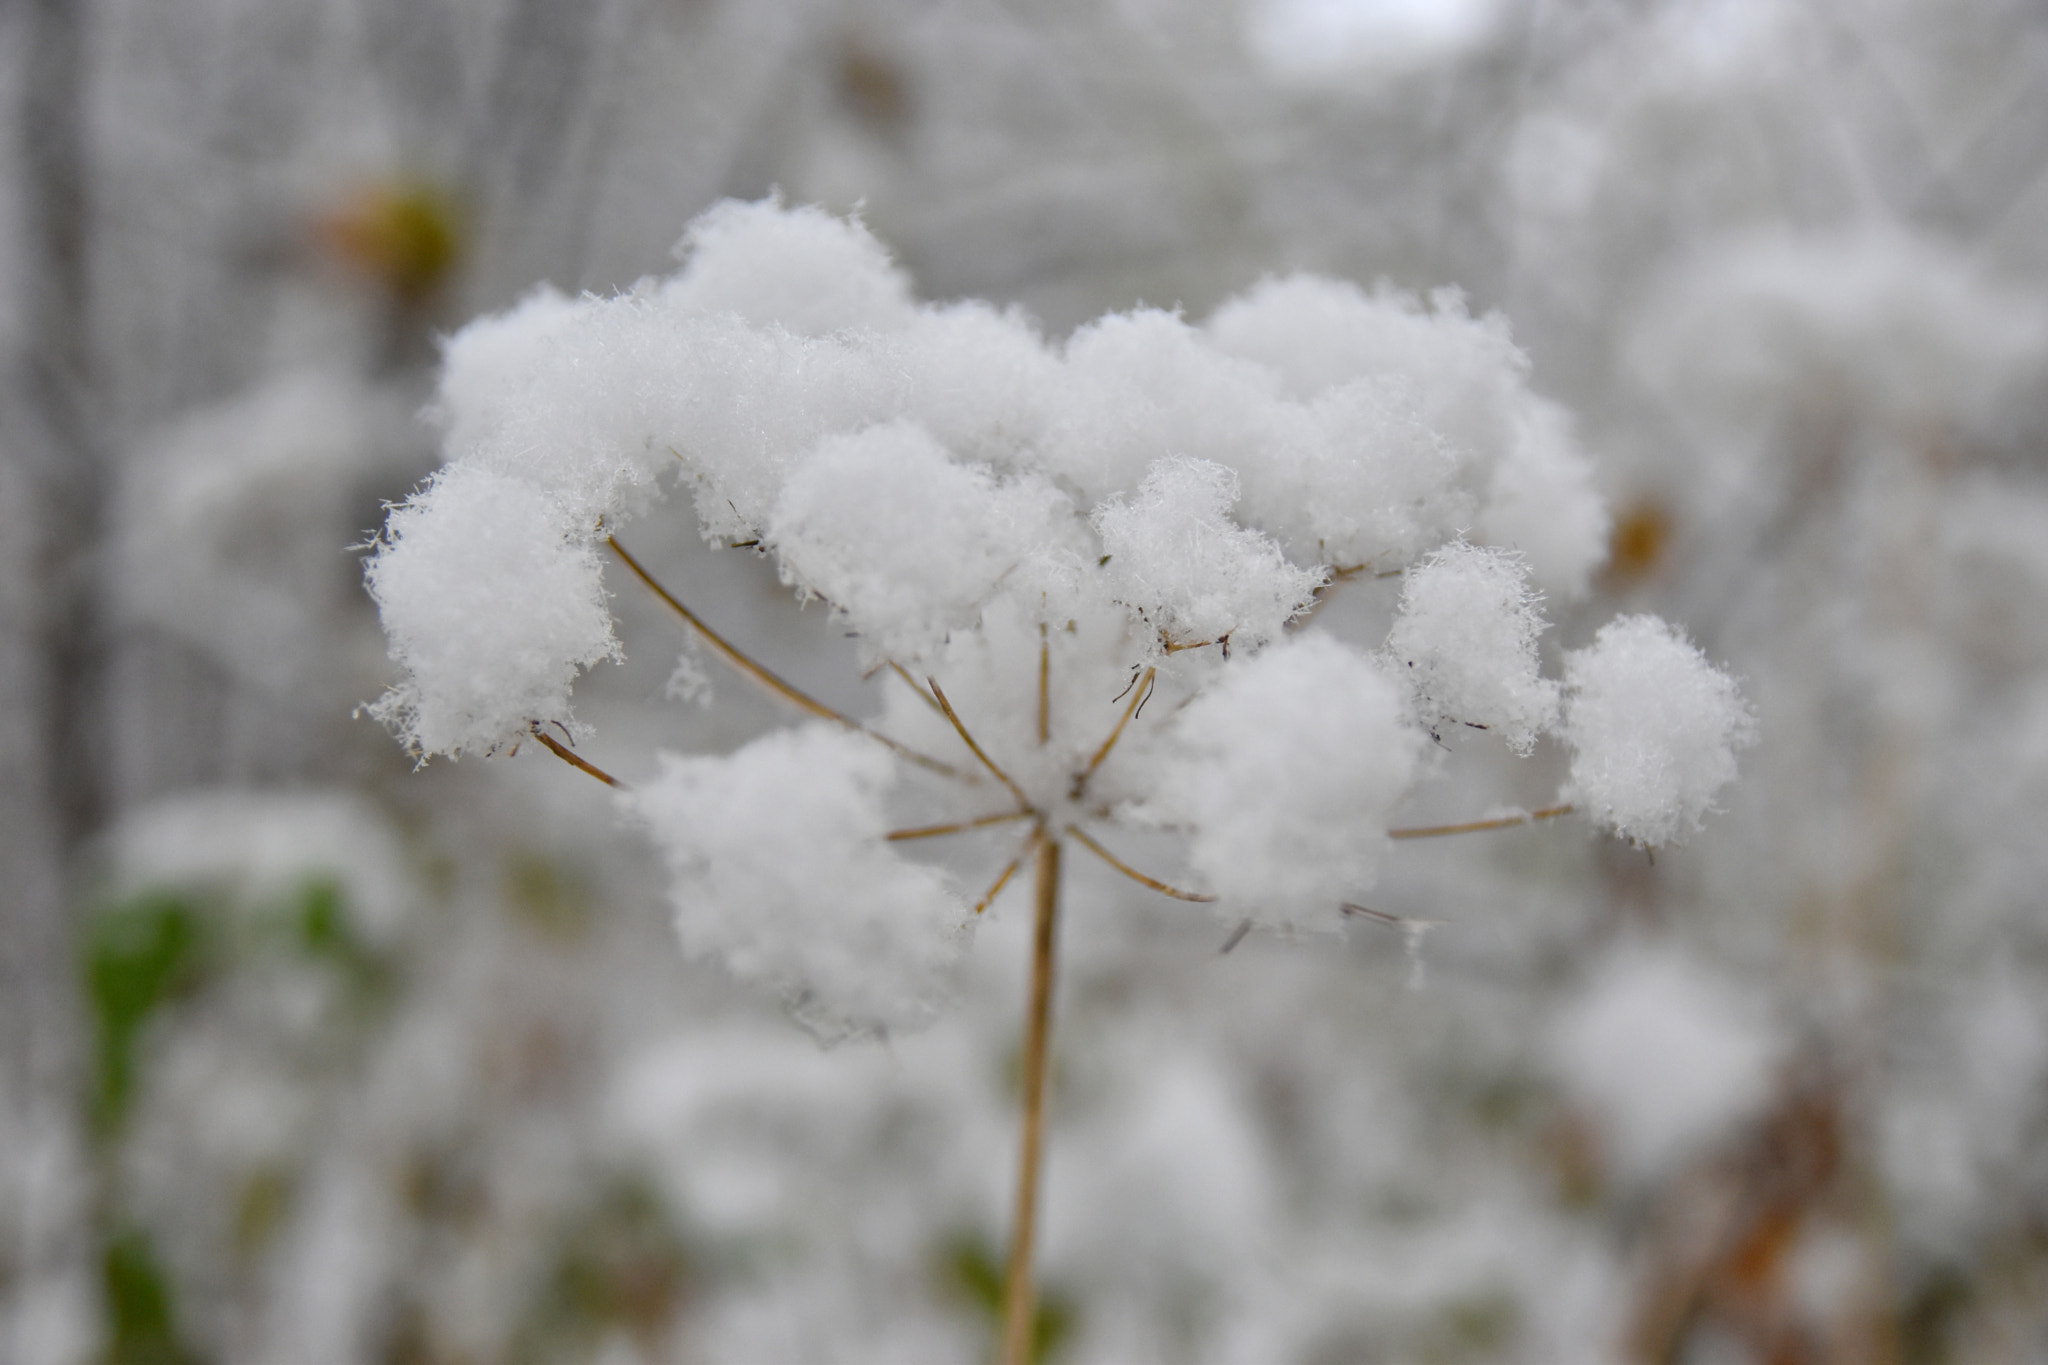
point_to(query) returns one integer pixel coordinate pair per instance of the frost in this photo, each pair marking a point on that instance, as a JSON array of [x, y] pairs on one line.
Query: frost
[[1466, 637], [1653, 729], [1284, 773], [1177, 558], [492, 607], [778, 870]]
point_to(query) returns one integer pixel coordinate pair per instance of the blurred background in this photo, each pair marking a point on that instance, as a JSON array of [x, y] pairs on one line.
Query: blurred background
[[310, 1057]]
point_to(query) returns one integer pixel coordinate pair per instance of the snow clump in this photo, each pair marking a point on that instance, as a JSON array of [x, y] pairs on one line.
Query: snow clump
[[1176, 558], [905, 541], [1466, 636], [778, 869], [493, 604], [1653, 728], [1284, 774]]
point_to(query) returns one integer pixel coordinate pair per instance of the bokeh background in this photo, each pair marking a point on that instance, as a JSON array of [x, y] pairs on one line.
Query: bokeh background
[[312, 1057]]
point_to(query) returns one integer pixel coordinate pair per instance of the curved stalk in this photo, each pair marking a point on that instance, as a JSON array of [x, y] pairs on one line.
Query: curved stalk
[[574, 760], [946, 706], [1130, 710], [1120, 865], [739, 661]]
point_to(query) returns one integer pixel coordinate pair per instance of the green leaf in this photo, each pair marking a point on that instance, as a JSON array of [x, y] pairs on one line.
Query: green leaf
[[142, 1325], [138, 955], [971, 1272]]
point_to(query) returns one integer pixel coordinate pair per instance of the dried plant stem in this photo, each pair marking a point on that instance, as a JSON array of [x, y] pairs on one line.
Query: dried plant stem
[[1367, 912], [803, 701], [957, 827], [1020, 1297], [978, 752], [568, 756], [1002, 880], [1120, 865], [915, 686], [1044, 686], [1138, 695], [1476, 826]]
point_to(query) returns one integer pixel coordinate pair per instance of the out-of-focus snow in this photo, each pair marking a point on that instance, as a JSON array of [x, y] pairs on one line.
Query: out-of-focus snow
[[1665, 1056]]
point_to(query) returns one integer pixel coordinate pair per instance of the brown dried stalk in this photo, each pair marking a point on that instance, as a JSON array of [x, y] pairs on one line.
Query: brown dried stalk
[[1476, 826], [1002, 880], [1120, 865], [957, 827], [568, 756], [1138, 695], [986, 761], [915, 686], [803, 701], [1044, 686]]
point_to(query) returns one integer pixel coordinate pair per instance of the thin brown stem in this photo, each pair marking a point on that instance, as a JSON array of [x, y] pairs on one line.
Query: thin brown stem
[[1477, 826], [1138, 695], [1002, 880], [1020, 1296], [1120, 865], [986, 761], [1376, 916], [915, 686], [569, 756], [1044, 686], [725, 649], [803, 701], [957, 827]]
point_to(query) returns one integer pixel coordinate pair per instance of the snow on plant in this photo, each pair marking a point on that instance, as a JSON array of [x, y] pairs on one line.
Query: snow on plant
[[1091, 566], [1653, 729], [1467, 630]]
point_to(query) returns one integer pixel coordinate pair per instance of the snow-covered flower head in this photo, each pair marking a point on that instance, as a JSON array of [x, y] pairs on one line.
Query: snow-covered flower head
[[1047, 541]]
